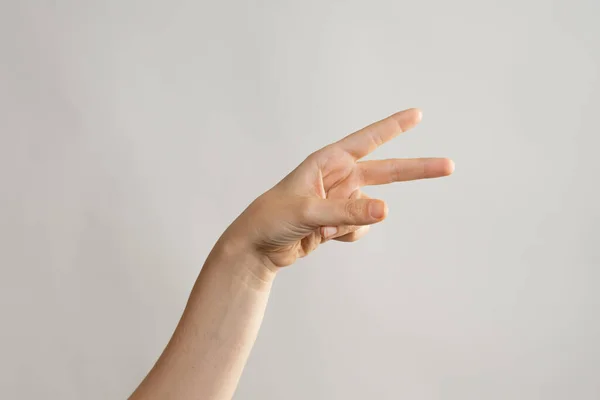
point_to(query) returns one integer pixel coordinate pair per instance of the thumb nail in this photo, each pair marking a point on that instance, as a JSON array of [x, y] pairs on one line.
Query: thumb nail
[[377, 209]]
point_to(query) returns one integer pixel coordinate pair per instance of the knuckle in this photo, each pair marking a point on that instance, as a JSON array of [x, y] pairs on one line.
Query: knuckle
[[349, 209], [354, 209], [396, 171], [424, 170], [376, 139], [317, 155], [312, 156]]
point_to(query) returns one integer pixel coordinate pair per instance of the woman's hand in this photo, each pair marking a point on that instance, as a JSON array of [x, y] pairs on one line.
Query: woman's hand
[[322, 200], [318, 201]]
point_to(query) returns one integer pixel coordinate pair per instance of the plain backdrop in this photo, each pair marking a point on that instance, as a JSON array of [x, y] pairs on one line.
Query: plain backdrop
[[133, 132]]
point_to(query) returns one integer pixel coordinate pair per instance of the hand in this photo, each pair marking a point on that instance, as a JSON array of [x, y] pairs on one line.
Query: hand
[[322, 200]]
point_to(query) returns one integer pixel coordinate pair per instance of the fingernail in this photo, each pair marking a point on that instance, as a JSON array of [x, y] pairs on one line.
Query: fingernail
[[329, 231], [377, 209], [452, 166], [420, 114]]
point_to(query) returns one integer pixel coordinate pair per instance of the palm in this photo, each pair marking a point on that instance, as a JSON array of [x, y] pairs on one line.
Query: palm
[[335, 172]]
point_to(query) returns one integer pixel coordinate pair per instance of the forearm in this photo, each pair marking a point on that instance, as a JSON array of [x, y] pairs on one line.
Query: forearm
[[207, 353]]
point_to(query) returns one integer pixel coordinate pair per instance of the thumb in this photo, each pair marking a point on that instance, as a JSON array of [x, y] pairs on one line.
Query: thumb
[[334, 212]]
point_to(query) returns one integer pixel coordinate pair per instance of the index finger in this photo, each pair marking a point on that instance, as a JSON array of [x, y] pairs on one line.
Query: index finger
[[363, 142]]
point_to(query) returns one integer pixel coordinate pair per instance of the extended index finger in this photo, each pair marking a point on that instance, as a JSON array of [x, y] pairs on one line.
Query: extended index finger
[[363, 142]]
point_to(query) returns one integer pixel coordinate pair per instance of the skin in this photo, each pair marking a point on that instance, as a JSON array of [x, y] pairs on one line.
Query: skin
[[320, 200]]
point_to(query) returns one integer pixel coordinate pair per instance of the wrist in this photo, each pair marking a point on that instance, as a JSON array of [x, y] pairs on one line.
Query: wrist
[[245, 261]]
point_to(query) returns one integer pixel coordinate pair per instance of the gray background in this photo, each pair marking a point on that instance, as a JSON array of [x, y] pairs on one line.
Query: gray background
[[132, 133]]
